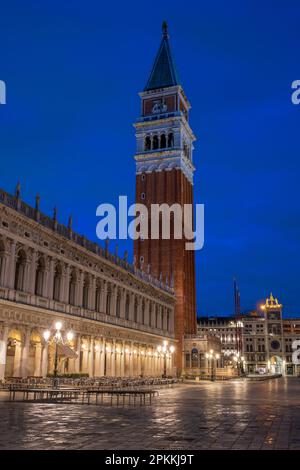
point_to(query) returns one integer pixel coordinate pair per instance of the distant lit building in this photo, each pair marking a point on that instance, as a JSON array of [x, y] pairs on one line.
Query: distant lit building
[[266, 338]]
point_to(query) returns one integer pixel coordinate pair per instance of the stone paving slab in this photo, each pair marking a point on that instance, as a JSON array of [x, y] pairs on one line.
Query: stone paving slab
[[230, 415]]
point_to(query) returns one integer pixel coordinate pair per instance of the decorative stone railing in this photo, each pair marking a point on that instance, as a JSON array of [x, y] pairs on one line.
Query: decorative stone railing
[[60, 307]]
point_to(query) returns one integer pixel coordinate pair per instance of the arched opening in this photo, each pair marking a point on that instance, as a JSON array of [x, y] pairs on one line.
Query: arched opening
[[163, 141], [85, 292], [39, 276], [127, 306], [57, 282], [276, 365], [13, 354], [72, 288], [147, 143], [20, 270], [155, 142], [170, 140]]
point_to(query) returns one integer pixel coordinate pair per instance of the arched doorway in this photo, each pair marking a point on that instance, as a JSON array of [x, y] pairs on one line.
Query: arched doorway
[[276, 365], [13, 354]]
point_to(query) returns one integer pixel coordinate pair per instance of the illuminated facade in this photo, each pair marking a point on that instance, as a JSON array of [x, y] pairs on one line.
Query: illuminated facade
[[119, 315], [267, 338]]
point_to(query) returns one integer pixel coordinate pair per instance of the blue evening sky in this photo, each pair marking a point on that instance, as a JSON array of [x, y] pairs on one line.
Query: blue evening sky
[[73, 72]]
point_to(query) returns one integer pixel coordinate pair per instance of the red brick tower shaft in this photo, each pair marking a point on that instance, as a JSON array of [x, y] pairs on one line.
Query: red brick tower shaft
[[164, 174]]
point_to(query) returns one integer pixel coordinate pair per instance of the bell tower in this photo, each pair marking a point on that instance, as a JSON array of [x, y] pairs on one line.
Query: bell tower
[[164, 174]]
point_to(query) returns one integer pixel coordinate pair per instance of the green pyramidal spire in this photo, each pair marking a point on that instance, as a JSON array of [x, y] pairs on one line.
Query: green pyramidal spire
[[164, 72]]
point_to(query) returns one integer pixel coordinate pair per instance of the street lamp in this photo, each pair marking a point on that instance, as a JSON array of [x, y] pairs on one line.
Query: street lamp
[[166, 352], [57, 338], [240, 362], [212, 357]]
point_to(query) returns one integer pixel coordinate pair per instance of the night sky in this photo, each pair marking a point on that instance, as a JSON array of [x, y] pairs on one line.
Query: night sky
[[73, 71]]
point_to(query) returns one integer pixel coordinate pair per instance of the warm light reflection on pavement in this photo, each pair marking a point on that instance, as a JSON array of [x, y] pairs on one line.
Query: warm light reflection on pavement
[[230, 415]]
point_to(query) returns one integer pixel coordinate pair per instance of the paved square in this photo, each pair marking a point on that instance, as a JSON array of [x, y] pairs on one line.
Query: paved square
[[232, 415]]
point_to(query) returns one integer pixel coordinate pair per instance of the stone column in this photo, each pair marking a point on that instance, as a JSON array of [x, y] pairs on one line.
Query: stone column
[[92, 294], [32, 272], [44, 368], [122, 303], [3, 351], [65, 284], [130, 360], [153, 315], [147, 320], [103, 296], [139, 361], [17, 360], [91, 358], [131, 307], [113, 359], [114, 292], [50, 279], [123, 360], [38, 359], [97, 368], [102, 358], [79, 289], [4, 269], [164, 319], [25, 354], [26, 277], [85, 357], [78, 351], [12, 266]]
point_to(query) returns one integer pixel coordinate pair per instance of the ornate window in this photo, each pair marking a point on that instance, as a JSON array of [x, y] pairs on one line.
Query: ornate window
[[147, 145], [170, 140], [20, 270], [163, 141], [155, 143]]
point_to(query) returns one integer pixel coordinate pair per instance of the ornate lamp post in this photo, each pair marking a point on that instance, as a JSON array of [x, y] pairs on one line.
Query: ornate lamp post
[[239, 363], [166, 352], [57, 338], [212, 357]]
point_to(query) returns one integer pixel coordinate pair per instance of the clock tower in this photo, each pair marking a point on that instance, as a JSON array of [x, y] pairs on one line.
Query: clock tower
[[164, 174]]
